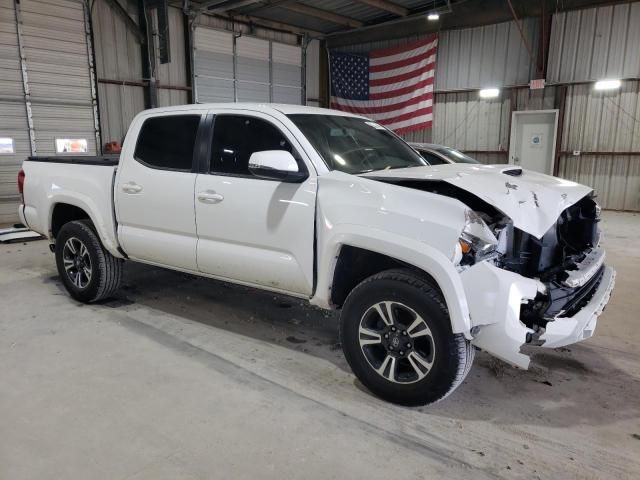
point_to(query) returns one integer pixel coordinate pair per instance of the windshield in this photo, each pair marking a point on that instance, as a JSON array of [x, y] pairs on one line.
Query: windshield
[[355, 145], [455, 156]]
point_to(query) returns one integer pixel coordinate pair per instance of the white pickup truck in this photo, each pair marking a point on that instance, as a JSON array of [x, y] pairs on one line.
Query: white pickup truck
[[425, 262]]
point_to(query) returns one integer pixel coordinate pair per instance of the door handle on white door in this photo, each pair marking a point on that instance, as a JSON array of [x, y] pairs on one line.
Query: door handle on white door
[[131, 187], [210, 197]]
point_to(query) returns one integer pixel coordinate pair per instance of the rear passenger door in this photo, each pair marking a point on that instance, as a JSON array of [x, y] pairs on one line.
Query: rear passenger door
[[256, 231], [154, 191]]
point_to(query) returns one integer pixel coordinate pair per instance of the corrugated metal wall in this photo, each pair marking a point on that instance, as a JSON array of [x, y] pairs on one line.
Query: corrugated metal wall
[[472, 124], [229, 25], [487, 56], [595, 43], [472, 58], [604, 122], [118, 57], [589, 45], [173, 73]]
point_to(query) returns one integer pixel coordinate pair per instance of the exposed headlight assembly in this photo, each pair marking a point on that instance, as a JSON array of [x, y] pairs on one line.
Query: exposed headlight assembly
[[477, 241]]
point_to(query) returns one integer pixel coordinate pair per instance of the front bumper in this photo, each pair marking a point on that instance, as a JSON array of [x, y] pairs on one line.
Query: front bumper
[[567, 330], [495, 297]]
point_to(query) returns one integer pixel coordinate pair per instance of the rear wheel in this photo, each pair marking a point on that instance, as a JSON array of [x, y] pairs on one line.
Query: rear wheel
[[87, 270], [396, 336]]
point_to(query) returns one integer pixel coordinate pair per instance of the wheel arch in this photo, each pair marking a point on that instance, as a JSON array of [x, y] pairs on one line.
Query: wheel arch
[[67, 209], [392, 251], [62, 213]]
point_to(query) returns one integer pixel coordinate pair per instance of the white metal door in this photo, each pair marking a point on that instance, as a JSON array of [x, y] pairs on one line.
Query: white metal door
[[256, 231], [533, 140], [154, 199], [156, 223]]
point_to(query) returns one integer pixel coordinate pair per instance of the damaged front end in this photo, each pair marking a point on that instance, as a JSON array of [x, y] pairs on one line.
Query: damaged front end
[[528, 256], [545, 291]]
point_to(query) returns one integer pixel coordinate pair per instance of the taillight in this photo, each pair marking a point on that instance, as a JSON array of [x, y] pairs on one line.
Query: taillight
[[21, 184]]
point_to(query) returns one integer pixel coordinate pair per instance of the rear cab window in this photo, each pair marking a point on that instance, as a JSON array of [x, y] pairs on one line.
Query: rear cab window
[[168, 142]]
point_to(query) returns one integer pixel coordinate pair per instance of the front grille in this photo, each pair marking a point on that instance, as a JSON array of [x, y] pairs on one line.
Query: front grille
[[565, 243], [584, 295]]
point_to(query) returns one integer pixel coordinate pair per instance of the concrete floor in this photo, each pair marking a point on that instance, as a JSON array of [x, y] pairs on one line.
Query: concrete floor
[[187, 378]]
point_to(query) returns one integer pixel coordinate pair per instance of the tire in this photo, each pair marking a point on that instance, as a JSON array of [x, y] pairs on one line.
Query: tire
[[104, 270], [440, 359]]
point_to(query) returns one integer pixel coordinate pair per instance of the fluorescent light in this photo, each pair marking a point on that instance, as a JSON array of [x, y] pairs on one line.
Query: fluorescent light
[[433, 16], [489, 92], [607, 84]]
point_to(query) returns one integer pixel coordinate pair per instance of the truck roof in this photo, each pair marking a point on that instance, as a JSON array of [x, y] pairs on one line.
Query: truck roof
[[260, 107]]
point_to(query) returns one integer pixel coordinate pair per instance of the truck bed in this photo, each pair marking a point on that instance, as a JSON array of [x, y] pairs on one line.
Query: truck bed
[[106, 160], [82, 181]]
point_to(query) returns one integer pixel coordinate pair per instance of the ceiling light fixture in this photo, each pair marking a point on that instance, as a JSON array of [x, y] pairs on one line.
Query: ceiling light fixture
[[489, 92], [433, 16], [609, 84]]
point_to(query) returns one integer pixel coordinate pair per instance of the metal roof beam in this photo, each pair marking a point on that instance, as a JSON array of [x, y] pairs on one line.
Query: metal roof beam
[[387, 6], [322, 14], [272, 24], [221, 6]]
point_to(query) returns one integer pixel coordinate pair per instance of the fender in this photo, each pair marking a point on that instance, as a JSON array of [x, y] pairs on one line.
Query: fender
[[413, 252], [104, 227]]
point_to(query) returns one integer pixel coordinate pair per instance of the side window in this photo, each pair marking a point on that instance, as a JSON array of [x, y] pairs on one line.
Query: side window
[[236, 137], [432, 159], [167, 142]]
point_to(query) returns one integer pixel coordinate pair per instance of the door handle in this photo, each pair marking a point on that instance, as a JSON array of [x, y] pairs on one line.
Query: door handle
[[210, 197], [131, 187]]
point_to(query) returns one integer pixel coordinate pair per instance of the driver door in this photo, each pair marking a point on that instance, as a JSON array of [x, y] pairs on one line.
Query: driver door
[[251, 230]]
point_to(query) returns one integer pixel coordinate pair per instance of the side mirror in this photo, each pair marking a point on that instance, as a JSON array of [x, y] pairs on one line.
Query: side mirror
[[276, 165]]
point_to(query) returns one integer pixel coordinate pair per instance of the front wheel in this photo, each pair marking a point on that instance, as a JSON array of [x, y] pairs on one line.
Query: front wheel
[[88, 271], [396, 336]]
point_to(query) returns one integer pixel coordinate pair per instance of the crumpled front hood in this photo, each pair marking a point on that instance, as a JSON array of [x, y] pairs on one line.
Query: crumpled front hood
[[532, 200]]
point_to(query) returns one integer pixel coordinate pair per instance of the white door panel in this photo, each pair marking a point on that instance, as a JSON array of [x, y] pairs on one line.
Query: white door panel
[[156, 221], [253, 230], [261, 232], [533, 140]]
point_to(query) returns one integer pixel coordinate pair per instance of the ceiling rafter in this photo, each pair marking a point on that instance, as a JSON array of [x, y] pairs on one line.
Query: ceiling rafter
[[322, 14], [387, 6]]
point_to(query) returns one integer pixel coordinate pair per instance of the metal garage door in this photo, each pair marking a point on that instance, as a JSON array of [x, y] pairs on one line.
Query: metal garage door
[[252, 69], [46, 78], [14, 133], [287, 73], [245, 69], [213, 66]]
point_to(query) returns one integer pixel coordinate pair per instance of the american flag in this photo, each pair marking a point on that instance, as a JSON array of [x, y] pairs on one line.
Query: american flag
[[393, 86]]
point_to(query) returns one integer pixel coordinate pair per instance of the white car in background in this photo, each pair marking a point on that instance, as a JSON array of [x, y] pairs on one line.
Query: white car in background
[[441, 155]]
